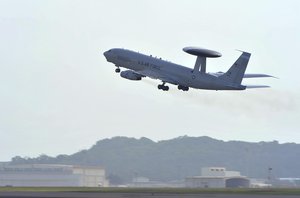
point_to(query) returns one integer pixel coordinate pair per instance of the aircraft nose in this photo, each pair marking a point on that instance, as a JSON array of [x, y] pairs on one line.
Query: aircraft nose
[[108, 55], [105, 53]]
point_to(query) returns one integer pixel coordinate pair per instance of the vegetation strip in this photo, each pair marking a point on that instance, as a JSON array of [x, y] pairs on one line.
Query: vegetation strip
[[271, 191]]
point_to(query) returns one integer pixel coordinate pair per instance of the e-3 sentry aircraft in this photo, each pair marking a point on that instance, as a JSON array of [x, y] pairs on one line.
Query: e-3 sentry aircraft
[[140, 66]]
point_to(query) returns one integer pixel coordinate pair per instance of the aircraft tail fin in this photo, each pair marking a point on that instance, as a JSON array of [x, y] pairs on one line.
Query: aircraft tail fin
[[236, 72]]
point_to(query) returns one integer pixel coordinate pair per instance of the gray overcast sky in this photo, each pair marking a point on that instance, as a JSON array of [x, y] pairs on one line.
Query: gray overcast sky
[[59, 95]]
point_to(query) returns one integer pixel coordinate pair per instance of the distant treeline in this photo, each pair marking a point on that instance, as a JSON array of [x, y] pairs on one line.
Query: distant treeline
[[125, 158]]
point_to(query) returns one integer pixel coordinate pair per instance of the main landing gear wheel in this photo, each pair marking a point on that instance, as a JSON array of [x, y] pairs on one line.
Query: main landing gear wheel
[[163, 87], [117, 70], [183, 88]]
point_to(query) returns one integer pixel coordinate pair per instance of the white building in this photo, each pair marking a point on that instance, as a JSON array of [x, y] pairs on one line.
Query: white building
[[144, 182], [52, 175], [217, 177]]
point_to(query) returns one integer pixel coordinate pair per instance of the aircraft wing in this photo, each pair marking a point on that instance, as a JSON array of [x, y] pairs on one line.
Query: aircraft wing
[[257, 76], [169, 80], [156, 75]]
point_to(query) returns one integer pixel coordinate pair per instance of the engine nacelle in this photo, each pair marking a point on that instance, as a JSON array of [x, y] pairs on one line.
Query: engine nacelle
[[130, 75]]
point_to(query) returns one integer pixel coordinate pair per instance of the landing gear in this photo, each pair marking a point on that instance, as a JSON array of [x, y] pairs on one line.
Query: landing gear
[[183, 88], [163, 87], [117, 70]]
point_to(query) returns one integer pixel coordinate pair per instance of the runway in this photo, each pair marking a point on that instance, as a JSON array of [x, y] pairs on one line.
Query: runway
[[132, 195]]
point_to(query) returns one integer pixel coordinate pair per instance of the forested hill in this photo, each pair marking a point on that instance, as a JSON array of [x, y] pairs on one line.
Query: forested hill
[[125, 158]]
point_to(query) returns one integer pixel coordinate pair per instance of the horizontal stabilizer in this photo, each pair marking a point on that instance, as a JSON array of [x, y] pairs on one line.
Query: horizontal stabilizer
[[256, 86], [257, 76]]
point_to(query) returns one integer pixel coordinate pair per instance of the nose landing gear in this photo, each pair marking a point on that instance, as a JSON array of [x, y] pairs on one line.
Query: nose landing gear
[[117, 70]]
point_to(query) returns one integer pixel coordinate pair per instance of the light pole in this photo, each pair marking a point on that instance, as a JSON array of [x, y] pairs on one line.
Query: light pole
[[269, 174]]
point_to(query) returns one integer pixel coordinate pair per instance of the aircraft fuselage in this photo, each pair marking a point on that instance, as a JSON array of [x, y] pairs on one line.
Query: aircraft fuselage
[[157, 68]]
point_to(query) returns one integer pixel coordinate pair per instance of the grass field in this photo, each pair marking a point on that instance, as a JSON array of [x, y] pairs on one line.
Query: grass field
[[270, 191]]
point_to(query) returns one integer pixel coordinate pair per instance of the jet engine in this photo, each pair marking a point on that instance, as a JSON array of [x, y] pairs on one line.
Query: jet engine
[[130, 75]]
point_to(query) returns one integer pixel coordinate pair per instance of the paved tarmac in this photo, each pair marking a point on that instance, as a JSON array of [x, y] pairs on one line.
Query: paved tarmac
[[130, 195]]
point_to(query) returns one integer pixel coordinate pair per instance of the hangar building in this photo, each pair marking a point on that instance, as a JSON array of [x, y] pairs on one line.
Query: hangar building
[[217, 177], [52, 175]]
